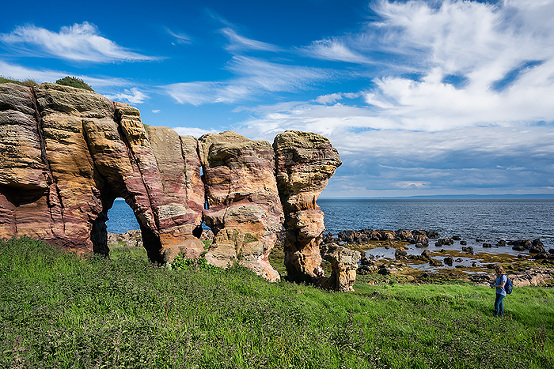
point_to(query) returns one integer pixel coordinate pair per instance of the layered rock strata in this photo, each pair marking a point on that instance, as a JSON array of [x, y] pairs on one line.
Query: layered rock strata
[[66, 154], [243, 207], [304, 163]]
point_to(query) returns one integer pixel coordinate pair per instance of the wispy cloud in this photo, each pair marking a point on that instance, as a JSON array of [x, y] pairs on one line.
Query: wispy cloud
[[486, 45], [241, 43], [335, 97], [79, 42], [253, 77], [46, 75], [384, 161], [133, 96], [179, 37], [334, 50], [471, 64]]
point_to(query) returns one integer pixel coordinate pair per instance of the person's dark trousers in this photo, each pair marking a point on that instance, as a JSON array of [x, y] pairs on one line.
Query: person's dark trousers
[[498, 306]]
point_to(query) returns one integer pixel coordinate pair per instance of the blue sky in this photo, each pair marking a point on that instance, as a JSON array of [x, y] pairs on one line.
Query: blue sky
[[419, 97]]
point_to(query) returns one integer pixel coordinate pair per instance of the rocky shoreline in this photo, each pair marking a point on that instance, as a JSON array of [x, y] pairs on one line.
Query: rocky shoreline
[[534, 269], [423, 238], [407, 253]]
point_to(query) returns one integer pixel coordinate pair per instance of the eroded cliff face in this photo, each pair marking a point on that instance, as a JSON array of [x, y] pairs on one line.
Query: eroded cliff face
[[66, 154], [244, 210]]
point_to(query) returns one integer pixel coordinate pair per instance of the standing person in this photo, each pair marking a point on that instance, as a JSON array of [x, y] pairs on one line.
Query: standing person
[[499, 283]]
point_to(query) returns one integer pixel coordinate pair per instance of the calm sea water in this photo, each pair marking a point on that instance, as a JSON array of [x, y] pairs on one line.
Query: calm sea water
[[470, 219]]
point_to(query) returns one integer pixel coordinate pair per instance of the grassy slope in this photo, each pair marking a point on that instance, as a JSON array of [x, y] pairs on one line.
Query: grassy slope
[[57, 310]]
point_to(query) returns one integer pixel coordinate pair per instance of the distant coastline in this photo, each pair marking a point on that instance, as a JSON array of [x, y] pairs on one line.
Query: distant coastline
[[453, 197]]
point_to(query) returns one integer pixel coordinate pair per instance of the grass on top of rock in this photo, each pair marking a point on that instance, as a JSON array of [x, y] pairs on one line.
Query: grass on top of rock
[[28, 82], [58, 309], [74, 82]]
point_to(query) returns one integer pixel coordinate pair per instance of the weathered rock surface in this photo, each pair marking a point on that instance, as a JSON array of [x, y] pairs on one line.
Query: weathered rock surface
[[244, 210], [131, 238], [344, 263], [529, 277], [181, 205], [66, 154], [304, 163]]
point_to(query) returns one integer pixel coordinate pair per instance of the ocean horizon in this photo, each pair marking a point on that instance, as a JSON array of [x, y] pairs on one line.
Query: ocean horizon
[[481, 218]]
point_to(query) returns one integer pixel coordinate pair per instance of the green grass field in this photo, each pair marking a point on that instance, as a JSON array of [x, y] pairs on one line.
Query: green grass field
[[60, 310]]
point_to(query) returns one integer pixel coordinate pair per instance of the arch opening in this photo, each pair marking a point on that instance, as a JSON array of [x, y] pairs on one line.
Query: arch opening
[[118, 232]]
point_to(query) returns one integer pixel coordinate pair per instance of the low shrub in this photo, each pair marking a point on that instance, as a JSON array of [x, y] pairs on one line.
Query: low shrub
[[74, 82]]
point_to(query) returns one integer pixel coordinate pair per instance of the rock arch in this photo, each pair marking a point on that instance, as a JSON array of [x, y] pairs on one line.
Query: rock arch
[[67, 153]]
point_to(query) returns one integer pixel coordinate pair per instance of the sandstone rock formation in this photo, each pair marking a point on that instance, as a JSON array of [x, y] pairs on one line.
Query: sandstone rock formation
[[304, 163], [244, 210], [344, 263], [66, 154]]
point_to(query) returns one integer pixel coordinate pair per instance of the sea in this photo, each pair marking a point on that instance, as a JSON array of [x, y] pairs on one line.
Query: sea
[[471, 219]]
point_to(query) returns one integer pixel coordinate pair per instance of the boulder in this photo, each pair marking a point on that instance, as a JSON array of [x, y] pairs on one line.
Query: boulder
[[366, 269], [537, 247], [433, 234], [426, 254], [444, 242], [533, 277], [400, 253], [403, 234], [328, 238], [419, 239], [387, 270], [344, 263]]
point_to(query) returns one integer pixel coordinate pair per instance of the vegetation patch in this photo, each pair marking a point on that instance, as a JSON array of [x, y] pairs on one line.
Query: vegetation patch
[[61, 310], [74, 82], [28, 82]]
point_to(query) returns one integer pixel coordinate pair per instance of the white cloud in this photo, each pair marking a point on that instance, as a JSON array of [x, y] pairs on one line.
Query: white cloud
[[502, 52], [333, 98], [334, 50], [238, 42], [156, 111], [79, 42], [254, 77], [399, 162], [46, 75], [132, 96], [484, 43], [192, 131]]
